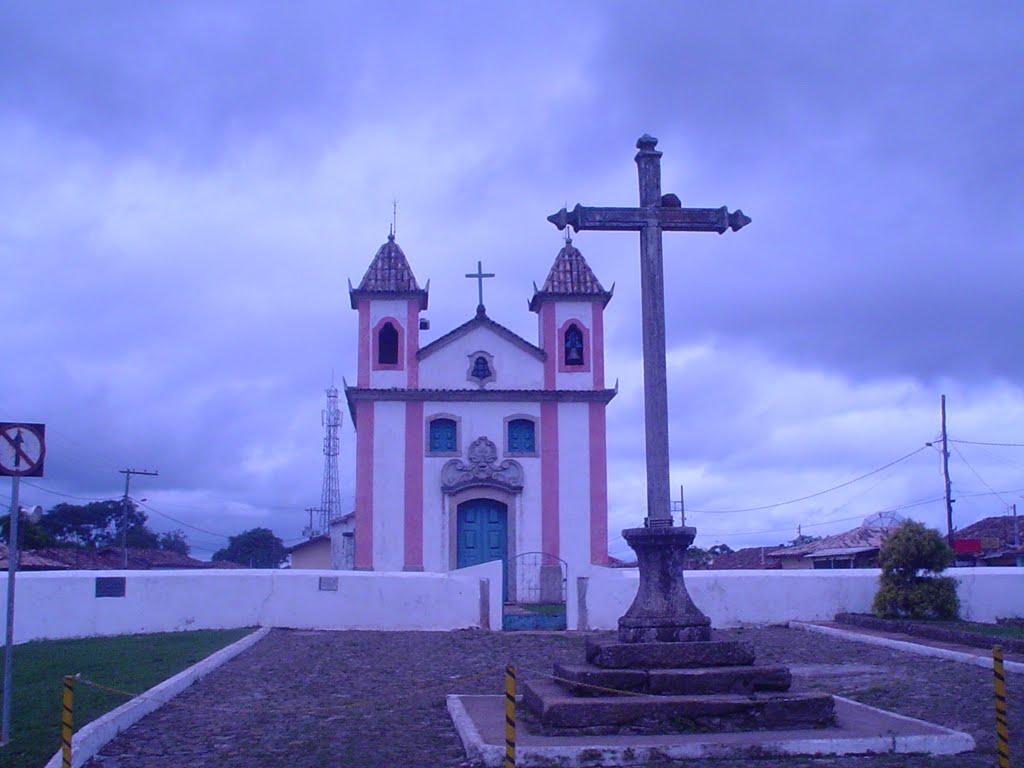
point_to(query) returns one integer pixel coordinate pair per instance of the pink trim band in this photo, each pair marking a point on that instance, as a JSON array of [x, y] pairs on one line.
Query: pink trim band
[[549, 532], [364, 485], [547, 325], [560, 350], [374, 351], [598, 486], [412, 344], [414, 486], [363, 376], [598, 344]]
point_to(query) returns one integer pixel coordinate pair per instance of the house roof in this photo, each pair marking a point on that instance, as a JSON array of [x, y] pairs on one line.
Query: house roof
[[389, 273], [31, 560], [109, 558], [748, 558], [840, 552], [481, 320], [1000, 528], [309, 542], [570, 278], [863, 539]]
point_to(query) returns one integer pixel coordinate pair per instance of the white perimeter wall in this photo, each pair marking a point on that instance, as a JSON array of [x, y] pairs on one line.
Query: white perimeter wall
[[58, 604], [63, 604], [735, 598]]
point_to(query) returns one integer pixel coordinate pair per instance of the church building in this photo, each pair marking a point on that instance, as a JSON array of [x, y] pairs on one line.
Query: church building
[[480, 445]]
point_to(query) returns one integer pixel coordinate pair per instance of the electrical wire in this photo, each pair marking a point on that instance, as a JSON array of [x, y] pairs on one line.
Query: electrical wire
[[182, 522], [970, 467], [65, 495], [978, 442], [809, 496]]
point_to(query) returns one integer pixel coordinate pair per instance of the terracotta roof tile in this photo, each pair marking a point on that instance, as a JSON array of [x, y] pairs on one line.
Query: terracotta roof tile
[[743, 559], [570, 275], [862, 537], [389, 272], [999, 527]]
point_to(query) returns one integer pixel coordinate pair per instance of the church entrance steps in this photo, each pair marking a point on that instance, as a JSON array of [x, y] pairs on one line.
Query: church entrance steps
[[859, 729], [559, 713], [533, 617], [586, 680]]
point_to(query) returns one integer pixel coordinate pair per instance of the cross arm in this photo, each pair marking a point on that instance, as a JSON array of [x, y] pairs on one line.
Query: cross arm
[[669, 219]]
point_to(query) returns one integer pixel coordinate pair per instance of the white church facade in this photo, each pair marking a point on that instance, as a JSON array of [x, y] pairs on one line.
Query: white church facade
[[479, 445]]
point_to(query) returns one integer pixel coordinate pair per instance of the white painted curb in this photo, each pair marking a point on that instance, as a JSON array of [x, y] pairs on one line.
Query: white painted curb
[[658, 749], [980, 659], [94, 736]]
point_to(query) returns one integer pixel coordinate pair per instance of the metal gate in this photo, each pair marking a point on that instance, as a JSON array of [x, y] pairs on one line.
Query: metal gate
[[537, 578]]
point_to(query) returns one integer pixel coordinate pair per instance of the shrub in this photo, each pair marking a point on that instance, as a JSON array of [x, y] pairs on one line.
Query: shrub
[[911, 559]]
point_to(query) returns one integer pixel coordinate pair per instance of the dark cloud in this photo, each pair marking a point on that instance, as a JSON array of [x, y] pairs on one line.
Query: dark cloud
[[188, 186]]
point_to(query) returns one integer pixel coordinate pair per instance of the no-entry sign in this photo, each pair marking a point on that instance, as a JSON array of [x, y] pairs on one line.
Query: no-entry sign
[[22, 449]]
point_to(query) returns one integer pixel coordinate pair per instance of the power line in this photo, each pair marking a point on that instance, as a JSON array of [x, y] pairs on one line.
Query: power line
[[965, 461], [65, 495], [812, 495], [978, 442], [182, 522]]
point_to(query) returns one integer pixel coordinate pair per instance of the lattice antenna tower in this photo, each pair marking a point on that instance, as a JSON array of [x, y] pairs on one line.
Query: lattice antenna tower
[[330, 497]]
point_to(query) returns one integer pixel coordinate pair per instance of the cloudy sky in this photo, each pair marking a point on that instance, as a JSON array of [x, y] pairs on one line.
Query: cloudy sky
[[185, 189]]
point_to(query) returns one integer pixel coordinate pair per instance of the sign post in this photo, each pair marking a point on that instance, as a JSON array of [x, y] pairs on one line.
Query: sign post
[[22, 450]]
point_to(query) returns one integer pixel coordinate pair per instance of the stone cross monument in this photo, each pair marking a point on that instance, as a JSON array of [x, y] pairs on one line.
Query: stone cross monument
[[662, 610]]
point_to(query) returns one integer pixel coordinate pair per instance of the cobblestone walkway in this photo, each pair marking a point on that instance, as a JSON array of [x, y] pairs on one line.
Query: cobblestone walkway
[[369, 699]]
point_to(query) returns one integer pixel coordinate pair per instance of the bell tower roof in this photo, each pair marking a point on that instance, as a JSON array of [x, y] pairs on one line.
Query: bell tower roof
[[570, 278], [389, 276]]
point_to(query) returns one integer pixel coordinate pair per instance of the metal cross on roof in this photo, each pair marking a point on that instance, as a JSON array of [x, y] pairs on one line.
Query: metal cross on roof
[[480, 275]]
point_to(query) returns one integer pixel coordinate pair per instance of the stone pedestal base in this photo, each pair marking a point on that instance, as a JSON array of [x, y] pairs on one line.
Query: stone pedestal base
[[662, 610]]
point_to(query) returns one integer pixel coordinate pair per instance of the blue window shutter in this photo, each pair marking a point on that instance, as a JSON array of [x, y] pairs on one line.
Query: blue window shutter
[[443, 435], [520, 436]]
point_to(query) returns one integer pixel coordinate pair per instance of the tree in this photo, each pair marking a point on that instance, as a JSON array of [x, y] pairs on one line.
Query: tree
[[911, 559], [255, 548], [720, 549], [97, 524], [174, 541], [31, 535]]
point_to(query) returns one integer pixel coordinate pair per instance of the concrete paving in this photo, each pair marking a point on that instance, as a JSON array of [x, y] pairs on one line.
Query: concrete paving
[[859, 730], [939, 649]]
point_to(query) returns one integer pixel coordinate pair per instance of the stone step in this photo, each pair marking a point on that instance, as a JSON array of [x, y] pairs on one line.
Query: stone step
[[558, 713], [703, 653], [578, 679]]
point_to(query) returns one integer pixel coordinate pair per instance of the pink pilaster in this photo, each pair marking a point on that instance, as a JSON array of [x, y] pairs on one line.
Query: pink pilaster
[[598, 342], [414, 486], [549, 532], [547, 322], [598, 485], [412, 345], [363, 375], [364, 485]]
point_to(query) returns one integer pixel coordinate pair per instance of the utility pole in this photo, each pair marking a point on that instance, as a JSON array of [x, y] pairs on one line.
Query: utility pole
[[945, 476], [1016, 532], [124, 506]]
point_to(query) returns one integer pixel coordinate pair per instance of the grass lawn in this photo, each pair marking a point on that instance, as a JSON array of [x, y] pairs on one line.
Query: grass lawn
[[130, 663], [982, 629]]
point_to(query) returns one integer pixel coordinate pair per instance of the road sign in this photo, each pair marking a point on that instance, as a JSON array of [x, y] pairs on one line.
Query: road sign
[[22, 449]]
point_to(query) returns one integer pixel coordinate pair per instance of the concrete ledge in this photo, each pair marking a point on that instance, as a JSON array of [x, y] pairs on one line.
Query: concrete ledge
[[977, 659], [861, 730], [93, 737]]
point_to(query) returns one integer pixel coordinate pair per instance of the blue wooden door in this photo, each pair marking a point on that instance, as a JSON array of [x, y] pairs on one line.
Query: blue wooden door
[[482, 535]]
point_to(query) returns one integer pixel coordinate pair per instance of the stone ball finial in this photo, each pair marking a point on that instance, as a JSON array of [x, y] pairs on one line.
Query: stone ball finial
[[646, 142]]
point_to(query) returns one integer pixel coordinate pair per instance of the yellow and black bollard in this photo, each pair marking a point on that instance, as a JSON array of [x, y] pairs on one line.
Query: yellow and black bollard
[[66, 720], [1002, 725], [510, 716]]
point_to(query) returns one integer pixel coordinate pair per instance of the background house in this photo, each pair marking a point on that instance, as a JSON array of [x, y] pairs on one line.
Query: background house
[[991, 541]]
